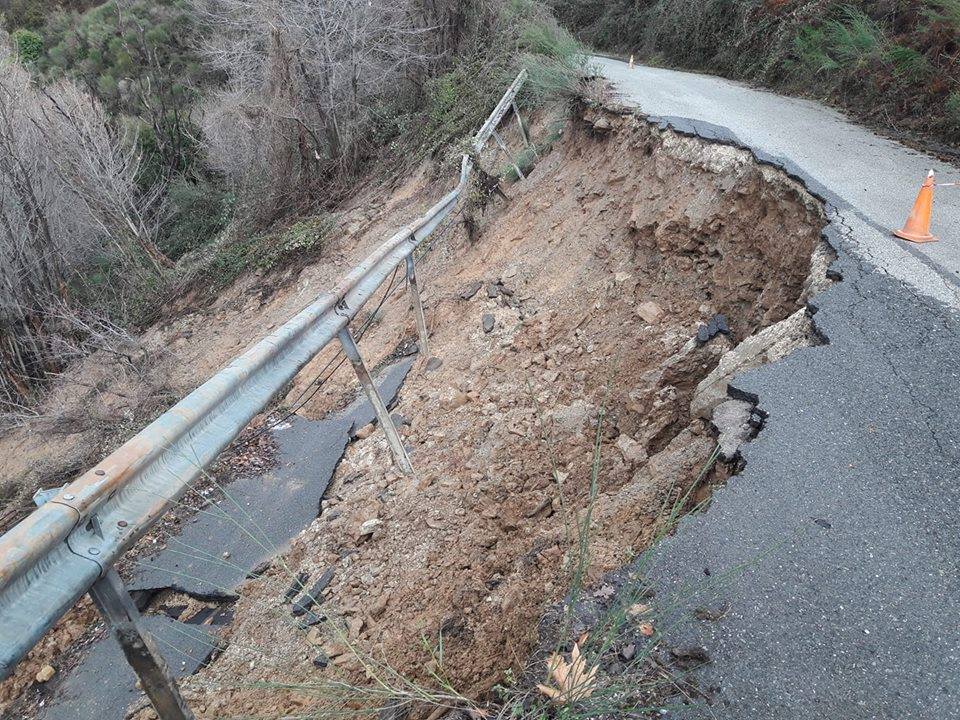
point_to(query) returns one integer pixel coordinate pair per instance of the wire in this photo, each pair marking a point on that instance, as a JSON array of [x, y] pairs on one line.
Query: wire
[[321, 377], [314, 386]]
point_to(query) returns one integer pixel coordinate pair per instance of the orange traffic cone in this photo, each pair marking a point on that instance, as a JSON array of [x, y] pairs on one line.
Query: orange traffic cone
[[917, 228]]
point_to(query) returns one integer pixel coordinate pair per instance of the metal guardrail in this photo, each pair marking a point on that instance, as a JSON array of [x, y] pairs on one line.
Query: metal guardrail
[[67, 547]]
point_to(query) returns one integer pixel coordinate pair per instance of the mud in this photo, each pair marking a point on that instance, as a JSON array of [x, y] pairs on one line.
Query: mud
[[595, 277]]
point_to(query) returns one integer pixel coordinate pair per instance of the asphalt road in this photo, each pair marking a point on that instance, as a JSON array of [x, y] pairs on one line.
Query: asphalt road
[[837, 549], [875, 179]]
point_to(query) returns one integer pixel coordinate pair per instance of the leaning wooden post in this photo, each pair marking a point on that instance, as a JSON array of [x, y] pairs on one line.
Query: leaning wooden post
[[116, 606], [383, 416], [417, 303], [523, 130]]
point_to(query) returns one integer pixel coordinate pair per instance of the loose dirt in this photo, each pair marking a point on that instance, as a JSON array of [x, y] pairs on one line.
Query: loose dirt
[[594, 279]]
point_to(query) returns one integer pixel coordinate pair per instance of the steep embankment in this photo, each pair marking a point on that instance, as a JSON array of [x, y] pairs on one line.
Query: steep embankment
[[582, 296]]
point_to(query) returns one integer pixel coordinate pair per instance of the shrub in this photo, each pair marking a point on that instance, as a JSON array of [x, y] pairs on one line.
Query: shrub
[[29, 45], [199, 211]]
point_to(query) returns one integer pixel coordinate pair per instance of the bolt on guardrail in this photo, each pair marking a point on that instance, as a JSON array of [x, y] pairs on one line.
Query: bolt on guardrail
[[68, 545]]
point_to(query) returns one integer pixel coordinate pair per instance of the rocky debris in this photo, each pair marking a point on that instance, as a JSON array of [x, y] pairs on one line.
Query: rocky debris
[[365, 432], [768, 345], [434, 363], [321, 660], [718, 324], [470, 290], [733, 420], [633, 452], [45, 674], [493, 290], [650, 312], [488, 322], [368, 527], [627, 652], [399, 419], [455, 400], [309, 599]]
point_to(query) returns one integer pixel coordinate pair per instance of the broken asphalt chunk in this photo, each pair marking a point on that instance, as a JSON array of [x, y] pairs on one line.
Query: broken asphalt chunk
[[308, 600], [488, 322], [718, 324], [296, 587]]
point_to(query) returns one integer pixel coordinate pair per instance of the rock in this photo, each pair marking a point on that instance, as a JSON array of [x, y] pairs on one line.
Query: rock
[[602, 126], [505, 290], [368, 526], [452, 402], [627, 652], [45, 674], [716, 325], [434, 363], [768, 345], [321, 661], [470, 290], [632, 451], [650, 312], [493, 290], [722, 325], [365, 432], [732, 420], [399, 419], [488, 322], [355, 626]]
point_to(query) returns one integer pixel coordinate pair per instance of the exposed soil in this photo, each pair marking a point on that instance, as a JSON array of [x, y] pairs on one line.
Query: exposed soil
[[596, 274], [103, 400]]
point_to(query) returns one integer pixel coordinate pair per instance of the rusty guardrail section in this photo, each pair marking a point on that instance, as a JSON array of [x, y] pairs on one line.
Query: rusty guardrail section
[[67, 547]]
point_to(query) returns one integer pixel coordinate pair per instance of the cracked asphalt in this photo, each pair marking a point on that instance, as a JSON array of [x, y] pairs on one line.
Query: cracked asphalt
[[837, 548]]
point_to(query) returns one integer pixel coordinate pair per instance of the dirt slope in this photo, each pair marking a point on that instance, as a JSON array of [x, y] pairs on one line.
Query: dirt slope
[[596, 273]]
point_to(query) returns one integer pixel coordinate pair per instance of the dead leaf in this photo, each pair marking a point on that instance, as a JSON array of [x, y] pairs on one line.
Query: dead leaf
[[573, 680], [638, 609], [646, 629]]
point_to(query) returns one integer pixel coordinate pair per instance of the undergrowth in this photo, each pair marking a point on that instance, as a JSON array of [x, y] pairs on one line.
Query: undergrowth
[[301, 242]]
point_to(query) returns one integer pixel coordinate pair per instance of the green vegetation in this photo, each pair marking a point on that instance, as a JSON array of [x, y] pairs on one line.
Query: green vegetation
[[893, 63], [28, 45], [522, 34], [199, 134], [301, 242]]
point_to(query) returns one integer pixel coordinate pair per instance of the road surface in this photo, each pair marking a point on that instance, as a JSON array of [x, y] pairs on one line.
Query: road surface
[[837, 550], [873, 179]]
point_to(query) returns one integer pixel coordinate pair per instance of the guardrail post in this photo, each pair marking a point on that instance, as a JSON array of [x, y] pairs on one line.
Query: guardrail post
[[417, 305], [523, 130], [383, 415], [503, 147], [116, 606]]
